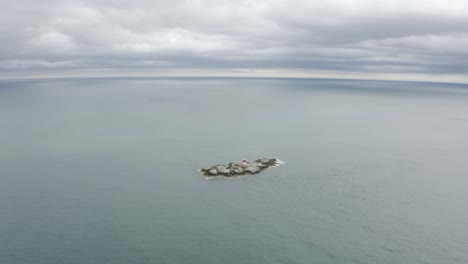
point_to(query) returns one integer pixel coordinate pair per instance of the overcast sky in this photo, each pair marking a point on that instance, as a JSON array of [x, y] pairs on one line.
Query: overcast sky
[[351, 38]]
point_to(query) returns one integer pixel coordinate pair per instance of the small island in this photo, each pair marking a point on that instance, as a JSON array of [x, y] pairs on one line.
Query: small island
[[240, 168]]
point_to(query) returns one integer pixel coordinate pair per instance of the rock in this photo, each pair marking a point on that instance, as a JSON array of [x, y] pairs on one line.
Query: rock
[[239, 168], [253, 169], [223, 170]]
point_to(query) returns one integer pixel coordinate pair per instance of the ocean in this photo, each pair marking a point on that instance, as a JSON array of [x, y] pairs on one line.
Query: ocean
[[106, 171]]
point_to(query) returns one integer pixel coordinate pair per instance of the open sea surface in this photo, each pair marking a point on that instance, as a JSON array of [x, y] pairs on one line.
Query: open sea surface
[[105, 171]]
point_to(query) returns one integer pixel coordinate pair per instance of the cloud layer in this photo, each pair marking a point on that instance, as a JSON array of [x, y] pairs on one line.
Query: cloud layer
[[341, 36]]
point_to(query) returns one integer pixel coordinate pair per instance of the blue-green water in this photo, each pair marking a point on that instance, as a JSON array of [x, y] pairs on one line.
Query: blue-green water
[[105, 171]]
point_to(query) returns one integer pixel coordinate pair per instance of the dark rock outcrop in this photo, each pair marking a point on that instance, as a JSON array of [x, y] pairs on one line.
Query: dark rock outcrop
[[240, 168]]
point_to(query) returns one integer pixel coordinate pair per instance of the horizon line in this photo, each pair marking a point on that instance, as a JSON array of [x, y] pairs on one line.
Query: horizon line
[[325, 78]]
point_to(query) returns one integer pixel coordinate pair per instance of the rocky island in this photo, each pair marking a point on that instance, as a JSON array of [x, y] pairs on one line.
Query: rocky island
[[240, 168]]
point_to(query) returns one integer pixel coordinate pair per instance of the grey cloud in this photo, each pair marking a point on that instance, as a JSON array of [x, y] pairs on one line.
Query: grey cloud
[[428, 37]]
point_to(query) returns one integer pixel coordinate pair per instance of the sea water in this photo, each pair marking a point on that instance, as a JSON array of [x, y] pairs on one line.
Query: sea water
[[106, 171]]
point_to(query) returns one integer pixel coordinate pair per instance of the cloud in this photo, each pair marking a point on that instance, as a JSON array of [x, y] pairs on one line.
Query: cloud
[[53, 41], [363, 36]]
